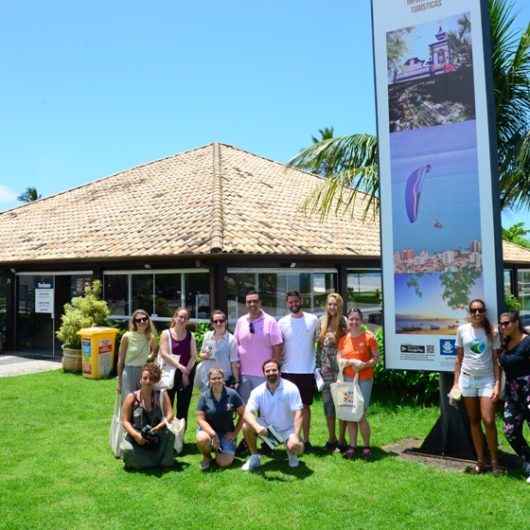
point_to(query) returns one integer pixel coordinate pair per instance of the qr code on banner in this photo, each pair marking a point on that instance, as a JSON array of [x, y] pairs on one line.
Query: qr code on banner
[[429, 348]]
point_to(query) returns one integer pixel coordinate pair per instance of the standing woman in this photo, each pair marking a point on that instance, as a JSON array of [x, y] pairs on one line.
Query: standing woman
[[137, 346], [515, 360], [358, 353], [332, 328], [218, 350], [180, 342], [477, 376]]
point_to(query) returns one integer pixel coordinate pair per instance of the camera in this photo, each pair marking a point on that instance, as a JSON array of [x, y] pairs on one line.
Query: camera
[[150, 437]]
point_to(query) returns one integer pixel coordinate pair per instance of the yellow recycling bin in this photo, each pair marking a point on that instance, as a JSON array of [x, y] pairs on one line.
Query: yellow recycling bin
[[97, 347]]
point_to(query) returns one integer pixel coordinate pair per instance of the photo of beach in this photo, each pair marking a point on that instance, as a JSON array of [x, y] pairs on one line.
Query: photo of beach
[[435, 207], [434, 303], [430, 74]]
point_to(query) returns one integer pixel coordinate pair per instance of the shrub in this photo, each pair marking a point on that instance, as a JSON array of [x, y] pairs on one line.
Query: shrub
[[82, 312], [403, 385]]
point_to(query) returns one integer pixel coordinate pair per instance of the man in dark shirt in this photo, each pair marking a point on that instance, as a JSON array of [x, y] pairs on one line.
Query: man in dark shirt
[[215, 416]]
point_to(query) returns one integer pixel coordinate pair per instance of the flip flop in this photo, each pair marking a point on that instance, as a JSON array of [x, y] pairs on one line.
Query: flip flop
[[349, 454], [367, 453]]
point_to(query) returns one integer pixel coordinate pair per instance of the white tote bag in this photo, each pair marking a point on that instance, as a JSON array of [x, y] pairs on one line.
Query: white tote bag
[[176, 426], [348, 398], [116, 432], [168, 370]]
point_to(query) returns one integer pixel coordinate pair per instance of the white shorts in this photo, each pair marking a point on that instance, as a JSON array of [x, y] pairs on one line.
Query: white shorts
[[476, 386]]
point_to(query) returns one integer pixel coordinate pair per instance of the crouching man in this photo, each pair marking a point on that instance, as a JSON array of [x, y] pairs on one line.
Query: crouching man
[[274, 410]]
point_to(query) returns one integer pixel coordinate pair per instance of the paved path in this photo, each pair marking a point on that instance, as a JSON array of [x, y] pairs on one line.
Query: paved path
[[14, 365]]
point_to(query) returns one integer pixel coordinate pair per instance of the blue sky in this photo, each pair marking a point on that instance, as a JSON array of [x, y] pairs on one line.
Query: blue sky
[[91, 89]]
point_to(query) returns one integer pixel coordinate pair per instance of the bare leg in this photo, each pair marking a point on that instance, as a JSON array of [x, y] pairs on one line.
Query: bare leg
[[306, 422], [364, 427], [342, 432], [487, 411], [251, 438], [330, 421], [472, 405], [204, 445]]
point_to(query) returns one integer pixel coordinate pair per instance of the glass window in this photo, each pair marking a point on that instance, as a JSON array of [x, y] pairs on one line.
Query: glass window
[[507, 281], [197, 289], [273, 287], [237, 285], [142, 292], [4, 286], [168, 294], [365, 292], [116, 293], [523, 284]]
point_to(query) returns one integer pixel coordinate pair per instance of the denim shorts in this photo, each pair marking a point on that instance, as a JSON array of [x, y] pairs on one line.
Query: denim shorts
[[225, 445], [476, 386]]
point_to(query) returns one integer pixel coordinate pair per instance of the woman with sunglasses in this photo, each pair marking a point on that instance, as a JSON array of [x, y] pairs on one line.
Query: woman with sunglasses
[[477, 376], [332, 327], [137, 346], [218, 350], [515, 360], [357, 352], [178, 347]]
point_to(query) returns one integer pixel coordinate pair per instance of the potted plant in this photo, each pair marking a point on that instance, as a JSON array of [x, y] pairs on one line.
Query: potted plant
[[82, 312]]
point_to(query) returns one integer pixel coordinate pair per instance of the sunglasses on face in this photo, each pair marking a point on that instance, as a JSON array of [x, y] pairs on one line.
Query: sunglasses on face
[[219, 321], [477, 310], [141, 320], [504, 323], [251, 327]]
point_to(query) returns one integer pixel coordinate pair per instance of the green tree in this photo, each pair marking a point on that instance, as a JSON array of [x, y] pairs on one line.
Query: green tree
[[516, 234], [29, 195], [457, 286], [350, 162]]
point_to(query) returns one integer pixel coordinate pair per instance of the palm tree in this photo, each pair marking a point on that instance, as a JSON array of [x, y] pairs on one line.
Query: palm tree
[[29, 195], [350, 163]]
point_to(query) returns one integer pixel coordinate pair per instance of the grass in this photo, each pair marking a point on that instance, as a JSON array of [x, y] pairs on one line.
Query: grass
[[57, 472]]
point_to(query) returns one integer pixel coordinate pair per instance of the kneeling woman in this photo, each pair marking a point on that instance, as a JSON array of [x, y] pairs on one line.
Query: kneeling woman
[[146, 413], [215, 416]]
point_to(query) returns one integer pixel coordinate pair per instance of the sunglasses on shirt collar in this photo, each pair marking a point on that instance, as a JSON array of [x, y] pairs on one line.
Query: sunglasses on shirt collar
[[251, 327]]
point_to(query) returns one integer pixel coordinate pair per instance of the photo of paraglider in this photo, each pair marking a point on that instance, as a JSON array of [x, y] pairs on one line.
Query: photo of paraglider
[[435, 207], [435, 303], [430, 74]]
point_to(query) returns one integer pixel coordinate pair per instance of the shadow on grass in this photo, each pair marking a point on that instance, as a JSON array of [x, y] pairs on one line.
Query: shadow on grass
[[377, 454], [301, 472], [178, 467]]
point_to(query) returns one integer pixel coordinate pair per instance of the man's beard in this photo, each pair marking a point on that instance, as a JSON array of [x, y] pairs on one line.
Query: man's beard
[[272, 378], [295, 309]]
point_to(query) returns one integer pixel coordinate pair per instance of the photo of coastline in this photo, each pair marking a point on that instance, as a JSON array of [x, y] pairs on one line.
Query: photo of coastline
[[430, 74], [435, 207], [434, 303]]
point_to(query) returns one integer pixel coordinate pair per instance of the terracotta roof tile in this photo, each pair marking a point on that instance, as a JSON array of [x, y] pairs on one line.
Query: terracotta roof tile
[[216, 198]]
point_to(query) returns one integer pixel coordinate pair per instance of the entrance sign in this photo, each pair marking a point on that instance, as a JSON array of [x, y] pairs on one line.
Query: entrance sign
[[439, 215], [44, 300]]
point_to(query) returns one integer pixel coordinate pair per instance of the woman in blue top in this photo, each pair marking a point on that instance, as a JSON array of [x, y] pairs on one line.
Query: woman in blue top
[[515, 360]]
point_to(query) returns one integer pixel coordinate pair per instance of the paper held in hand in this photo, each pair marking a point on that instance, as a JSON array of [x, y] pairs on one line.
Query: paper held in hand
[[272, 437]]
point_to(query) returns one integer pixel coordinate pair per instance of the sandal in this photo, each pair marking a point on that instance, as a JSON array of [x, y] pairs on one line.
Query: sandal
[[476, 469], [367, 453], [349, 454], [205, 465]]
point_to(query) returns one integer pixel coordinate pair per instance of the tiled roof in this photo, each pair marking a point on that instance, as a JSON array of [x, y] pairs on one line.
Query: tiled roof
[[513, 253], [214, 199]]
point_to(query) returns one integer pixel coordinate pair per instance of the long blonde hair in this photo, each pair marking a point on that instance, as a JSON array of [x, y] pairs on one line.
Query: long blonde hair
[[175, 314], [335, 323], [150, 330]]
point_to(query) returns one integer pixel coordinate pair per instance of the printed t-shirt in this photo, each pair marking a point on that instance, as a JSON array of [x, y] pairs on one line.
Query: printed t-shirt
[[220, 414], [299, 343], [477, 347], [278, 408], [361, 348], [256, 348]]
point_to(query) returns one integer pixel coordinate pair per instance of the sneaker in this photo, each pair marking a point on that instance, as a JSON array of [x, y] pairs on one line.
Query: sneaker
[[528, 480], [330, 446], [293, 460], [526, 468], [252, 463], [205, 465]]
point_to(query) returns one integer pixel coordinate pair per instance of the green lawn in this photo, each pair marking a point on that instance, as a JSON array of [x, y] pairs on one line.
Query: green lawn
[[57, 471]]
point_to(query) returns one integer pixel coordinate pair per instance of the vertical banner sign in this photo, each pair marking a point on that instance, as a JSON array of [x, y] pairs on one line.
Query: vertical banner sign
[[438, 206]]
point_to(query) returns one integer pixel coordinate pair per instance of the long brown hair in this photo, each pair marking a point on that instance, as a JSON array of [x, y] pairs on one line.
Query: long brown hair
[[488, 328], [175, 314], [335, 323]]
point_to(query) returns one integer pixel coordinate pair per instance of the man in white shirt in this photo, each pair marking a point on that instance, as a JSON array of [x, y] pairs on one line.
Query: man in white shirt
[[275, 403], [299, 331]]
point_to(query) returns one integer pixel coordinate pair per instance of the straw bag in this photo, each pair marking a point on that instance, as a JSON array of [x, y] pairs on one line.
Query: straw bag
[[116, 432], [347, 397]]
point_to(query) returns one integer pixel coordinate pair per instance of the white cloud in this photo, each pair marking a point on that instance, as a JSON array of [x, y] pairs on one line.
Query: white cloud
[[7, 195]]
